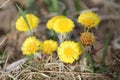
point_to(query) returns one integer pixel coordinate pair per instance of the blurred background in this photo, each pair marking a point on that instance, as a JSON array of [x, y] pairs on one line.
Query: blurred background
[[11, 39]]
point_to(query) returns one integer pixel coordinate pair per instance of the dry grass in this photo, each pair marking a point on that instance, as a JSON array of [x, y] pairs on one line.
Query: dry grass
[[53, 69], [50, 69]]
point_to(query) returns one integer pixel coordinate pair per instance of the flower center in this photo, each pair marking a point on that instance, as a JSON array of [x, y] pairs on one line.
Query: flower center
[[47, 48], [88, 22], [31, 48], [68, 51]]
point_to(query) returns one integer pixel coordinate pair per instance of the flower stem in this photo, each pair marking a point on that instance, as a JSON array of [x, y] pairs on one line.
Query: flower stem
[[62, 37]]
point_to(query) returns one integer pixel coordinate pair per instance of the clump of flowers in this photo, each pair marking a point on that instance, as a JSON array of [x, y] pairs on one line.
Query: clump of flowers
[[89, 19], [31, 45], [60, 24], [49, 46], [33, 22], [51, 22], [87, 38], [69, 51]]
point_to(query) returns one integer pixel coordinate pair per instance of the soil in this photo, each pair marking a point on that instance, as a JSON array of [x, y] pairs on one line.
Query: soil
[[109, 12]]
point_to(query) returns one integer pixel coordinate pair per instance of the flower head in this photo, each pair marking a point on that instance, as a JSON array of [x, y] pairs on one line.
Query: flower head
[[49, 46], [69, 51], [32, 21], [63, 25], [89, 19], [51, 22], [87, 38], [31, 45]]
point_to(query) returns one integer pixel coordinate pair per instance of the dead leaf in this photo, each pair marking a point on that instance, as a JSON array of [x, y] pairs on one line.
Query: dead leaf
[[97, 46], [7, 16], [98, 56], [15, 65]]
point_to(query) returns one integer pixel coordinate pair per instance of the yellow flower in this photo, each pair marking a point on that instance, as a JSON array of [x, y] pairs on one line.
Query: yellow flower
[[31, 45], [63, 25], [89, 19], [49, 46], [87, 38], [51, 22], [32, 21], [69, 51]]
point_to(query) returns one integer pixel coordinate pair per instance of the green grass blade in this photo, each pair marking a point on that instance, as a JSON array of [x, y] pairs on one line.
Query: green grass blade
[[32, 8], [55, 5], [89, 58], [47, 2], [106, 47], [3, 55], [52, 34], [77, 5], [81, 46], [2, 58], [118, 76], [103, 69], [25, 19], [30, 3]]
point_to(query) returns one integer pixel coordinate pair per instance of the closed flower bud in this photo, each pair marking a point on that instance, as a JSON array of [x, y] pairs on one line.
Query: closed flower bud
[[87, 38]]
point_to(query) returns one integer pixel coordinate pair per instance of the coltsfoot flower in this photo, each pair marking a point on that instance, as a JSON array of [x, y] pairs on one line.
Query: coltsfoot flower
[[49, 46], [51, 22], [31, 45], [87, 38], [89, 19], [63, 25], [33, 21], [69, 51]]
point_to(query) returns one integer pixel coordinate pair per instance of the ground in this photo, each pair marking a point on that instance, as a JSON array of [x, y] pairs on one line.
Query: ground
[[49, 69]]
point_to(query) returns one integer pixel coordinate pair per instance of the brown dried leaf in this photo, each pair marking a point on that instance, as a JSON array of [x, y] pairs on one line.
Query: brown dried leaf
[[7, 16], [97, 46], [98, 56]]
